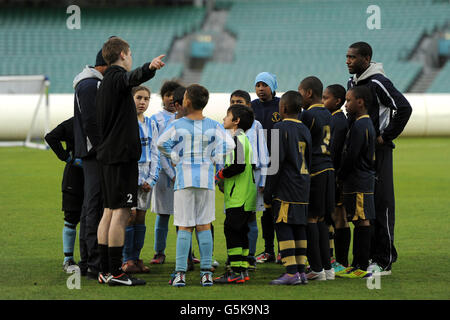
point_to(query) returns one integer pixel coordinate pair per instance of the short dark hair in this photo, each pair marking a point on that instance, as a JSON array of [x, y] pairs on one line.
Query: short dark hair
[[363, 48], [244, 113], [362, 92], [198, 95], [112, 48], [314, 84], [242, 94], [139, 88], [178, 94], [338, 92], [293, 101], [169, 86]]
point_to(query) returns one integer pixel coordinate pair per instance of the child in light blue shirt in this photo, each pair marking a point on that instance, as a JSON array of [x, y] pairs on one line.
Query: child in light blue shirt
[[194, 144]]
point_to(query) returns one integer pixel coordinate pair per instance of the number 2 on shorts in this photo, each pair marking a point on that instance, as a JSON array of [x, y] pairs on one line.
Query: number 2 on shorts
[[130, 198]]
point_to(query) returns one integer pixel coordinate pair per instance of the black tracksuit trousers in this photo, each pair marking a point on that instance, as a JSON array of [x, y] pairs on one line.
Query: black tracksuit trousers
[[383, 251]]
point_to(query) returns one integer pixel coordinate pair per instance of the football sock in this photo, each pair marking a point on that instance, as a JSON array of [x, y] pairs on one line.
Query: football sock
[[184, 239], [205, 245], [104, 258], [235, 256], [331, 239], [300, 248], [115, 260], [342, 240], [128, 244], [69, 236], [288, 256], [252, 237], [139, 239], [364, 247], [324, 243], [356, 243], [313, 250], [161, 230], [244, 261]]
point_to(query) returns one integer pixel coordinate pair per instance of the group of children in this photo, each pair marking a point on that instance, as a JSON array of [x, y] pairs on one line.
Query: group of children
[[309, 171], [325, 178]]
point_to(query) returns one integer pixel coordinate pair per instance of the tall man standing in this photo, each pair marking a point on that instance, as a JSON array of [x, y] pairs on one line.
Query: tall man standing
[[390, 112], [118, 153], [86, 139]]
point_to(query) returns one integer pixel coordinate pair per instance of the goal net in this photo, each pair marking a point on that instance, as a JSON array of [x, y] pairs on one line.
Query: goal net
[[30, 85]]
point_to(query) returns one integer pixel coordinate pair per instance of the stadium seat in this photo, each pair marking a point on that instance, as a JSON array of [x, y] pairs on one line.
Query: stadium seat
[[441, 84]]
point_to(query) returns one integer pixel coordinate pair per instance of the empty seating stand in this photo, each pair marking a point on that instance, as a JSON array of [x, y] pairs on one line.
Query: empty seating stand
[[37, 41], [296, 39], [292, 39]]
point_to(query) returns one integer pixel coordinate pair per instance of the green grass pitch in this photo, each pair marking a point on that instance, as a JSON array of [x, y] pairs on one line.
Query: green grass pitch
[[31, 238]]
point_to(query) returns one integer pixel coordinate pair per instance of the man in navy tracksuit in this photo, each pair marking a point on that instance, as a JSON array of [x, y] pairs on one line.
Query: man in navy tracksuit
[[86, 135], [390, 112]]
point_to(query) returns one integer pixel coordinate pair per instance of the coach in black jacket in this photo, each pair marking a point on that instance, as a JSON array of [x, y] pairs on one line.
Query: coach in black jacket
[[118, 153], [86, 136], [390, 112]]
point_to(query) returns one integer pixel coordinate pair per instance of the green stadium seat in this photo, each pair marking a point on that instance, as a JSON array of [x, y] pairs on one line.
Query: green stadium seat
[[441, 84]]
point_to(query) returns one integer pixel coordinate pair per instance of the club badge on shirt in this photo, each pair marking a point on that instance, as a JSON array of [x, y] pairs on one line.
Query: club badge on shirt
[[276, 117]]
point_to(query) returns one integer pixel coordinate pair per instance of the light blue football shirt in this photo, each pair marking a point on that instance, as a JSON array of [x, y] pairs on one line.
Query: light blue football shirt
[[149, 161], [195, 146], [162, 120]]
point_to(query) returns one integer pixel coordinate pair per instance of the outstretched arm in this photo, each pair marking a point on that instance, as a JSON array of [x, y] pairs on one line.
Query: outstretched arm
[[140, 74]]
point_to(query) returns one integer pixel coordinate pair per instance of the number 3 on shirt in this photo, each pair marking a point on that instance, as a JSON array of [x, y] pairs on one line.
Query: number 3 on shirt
[[326, 139], [301, 149]]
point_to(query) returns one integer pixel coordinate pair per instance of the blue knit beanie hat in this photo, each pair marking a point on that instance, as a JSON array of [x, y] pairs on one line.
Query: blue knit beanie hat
[[269, 79]]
